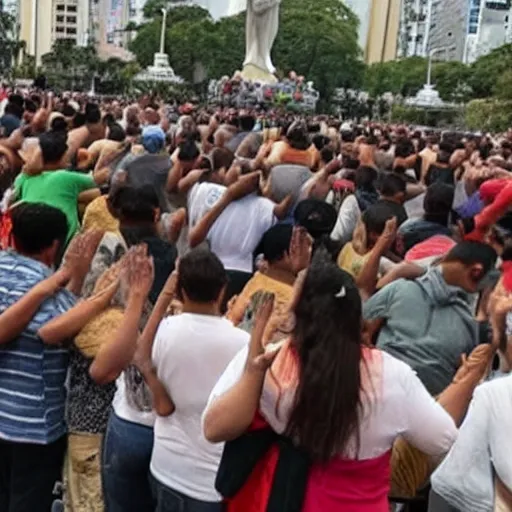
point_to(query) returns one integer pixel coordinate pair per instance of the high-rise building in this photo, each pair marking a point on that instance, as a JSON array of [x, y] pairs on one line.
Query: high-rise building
[[379, 22], [488, 28], [44, 21], [446, 28], [414, 15], [109, 19]]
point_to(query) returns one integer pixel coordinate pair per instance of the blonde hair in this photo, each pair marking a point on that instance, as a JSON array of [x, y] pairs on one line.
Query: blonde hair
[[271, 134]]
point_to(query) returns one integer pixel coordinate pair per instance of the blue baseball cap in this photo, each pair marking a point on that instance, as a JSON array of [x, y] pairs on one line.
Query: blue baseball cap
[[153, 139]]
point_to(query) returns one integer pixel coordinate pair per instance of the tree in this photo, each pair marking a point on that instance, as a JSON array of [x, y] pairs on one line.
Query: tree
[[407, 77], [10, 46], [503, 87], [489, 69], [318, 39], [70, 66]]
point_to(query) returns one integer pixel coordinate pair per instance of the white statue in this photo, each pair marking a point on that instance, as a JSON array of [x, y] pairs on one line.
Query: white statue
[[261, 32]]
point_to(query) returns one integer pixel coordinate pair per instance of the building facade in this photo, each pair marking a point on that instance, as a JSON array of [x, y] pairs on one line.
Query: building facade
[[413, 33], [489, 26], [446, 29], [379, 22], [109, 19], [42, 22]]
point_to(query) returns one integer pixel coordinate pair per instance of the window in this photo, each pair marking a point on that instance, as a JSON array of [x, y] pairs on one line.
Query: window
[[60, 8], [60, 19], [71, 19], [71, 8], [473, 29], [59, 29], [71, 30]]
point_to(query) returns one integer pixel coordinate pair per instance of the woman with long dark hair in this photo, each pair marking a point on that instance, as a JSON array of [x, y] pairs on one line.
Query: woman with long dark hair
[[335, 405]]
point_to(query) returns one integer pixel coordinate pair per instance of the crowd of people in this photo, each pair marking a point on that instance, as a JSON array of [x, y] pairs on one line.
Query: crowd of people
[[237, 311]]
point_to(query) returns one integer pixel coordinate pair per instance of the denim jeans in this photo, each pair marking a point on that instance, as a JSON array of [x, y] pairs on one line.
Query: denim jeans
[[169, 500], [127, 451]]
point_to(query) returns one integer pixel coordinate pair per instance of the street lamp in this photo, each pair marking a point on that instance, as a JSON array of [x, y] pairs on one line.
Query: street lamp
[[162, 36], [429, 70]]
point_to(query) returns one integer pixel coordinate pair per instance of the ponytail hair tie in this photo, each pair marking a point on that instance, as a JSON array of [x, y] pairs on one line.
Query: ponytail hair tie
[[342, 293]]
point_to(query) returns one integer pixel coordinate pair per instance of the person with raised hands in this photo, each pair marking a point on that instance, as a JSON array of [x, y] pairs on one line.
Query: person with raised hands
[[284, 431], [233, 220], [100, 326], [286, 251], [32, 372], [130, 426], [189, 354]]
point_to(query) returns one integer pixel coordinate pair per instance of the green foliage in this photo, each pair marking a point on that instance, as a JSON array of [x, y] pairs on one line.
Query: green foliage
[[407, 76], [418, 116], [9, 45], [489, 115], [503, 86], [317, 39], [26, 69], [489, 69], [404, 77], [69, 66]]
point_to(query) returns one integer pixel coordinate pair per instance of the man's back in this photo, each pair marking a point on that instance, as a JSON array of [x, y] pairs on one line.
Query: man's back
[[32, 375], [428, 325], [55, 188], [190, 353], [237, 232]]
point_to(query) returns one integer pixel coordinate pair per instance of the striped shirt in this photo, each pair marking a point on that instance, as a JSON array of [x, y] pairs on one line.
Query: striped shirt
[[32, 375]]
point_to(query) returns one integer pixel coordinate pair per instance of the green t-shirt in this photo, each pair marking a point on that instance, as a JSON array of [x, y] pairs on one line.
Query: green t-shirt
[[59, 189]]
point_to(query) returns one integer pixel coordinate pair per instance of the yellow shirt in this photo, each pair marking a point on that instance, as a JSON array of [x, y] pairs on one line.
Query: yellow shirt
[[97, 216], [260, 282], [351, 261]]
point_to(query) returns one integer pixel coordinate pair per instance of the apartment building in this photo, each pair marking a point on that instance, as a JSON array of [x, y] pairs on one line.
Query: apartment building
[[42, 22], [489, 26], [413, 32], [446, 29]]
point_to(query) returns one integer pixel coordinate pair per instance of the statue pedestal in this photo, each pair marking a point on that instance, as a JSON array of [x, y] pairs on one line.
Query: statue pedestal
[[253, 73], [160, 71]]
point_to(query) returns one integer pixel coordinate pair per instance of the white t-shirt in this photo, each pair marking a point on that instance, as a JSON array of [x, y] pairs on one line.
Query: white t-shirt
[[403, 408], [125, 411], [190, 353], [348, 217], [237, 232]]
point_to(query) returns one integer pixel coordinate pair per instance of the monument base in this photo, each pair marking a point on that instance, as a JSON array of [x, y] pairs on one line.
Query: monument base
[[160, 71], [253, 73]]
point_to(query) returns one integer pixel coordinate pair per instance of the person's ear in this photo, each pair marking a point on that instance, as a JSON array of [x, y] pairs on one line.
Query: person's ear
[[49, 255], [220, 300], [476, 272]]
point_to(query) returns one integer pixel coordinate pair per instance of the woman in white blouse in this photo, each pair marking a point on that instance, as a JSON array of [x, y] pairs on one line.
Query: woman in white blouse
[[343, 402]]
